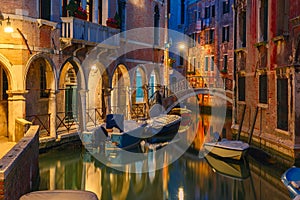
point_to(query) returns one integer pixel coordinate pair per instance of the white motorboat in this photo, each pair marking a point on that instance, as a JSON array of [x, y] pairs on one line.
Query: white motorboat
[[233, 149], [60, 194]]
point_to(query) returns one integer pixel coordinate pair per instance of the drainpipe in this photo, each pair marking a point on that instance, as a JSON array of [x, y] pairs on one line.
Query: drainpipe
[[234, 107]]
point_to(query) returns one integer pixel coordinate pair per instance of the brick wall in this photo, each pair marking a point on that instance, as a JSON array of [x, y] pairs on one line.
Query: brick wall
[[19, 167]]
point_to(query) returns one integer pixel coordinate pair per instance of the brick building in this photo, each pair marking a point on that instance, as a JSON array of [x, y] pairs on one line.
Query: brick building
[[45, 77], [267, 51], [210, 56]]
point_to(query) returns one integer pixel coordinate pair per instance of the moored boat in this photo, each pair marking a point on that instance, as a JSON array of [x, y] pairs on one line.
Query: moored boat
[[122, 134], [60, 194], [162, 128], [127, 139], [233, 149], [291, 179]]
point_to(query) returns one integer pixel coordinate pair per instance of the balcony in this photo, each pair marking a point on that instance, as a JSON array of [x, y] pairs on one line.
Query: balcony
[[77, 31]]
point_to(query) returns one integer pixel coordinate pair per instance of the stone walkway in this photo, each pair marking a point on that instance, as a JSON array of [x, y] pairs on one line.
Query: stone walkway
[[5, 146]]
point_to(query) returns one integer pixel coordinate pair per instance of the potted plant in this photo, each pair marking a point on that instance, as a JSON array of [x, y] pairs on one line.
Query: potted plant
[[223, 72], [171, 61], [76, 11], [113, 22]]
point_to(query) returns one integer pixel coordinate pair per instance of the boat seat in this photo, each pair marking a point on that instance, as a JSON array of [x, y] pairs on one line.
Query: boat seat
[[295, 184]]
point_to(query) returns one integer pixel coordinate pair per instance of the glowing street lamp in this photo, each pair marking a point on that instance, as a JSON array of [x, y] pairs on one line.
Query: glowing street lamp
[[7, 28], [181, 46]]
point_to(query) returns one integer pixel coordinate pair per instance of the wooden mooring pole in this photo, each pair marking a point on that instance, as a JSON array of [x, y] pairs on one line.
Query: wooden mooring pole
[[253, 125], [241, 124]]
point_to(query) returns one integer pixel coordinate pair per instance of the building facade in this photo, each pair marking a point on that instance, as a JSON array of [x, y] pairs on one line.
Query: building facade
[[267, 52], [45, 76], [210, 54]]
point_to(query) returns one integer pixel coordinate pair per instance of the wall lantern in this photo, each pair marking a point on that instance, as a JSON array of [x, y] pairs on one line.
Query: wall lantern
[[7, 28]]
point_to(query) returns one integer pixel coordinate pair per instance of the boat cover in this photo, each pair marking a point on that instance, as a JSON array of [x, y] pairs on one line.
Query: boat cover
[[59, 195]]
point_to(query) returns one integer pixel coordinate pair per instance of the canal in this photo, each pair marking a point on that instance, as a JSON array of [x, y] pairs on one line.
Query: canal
[[192, 176]]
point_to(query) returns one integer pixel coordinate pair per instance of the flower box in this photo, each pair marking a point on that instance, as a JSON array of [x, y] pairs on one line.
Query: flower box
[[111, 22]]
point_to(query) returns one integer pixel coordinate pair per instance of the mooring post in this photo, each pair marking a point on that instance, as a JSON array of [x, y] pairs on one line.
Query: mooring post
[[241, 124], [252, 127]]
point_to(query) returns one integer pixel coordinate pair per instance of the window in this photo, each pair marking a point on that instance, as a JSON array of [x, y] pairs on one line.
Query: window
[[282, 17], [225, 62], [211, 36], [225, 7], [181, 58], [182, 12], [212, 63], [64, 10], [225, 34], [45, 9], [282, 104], [242, 29], [207, 12], [4, 85], [43, 81], [241, 88], [263, 21], [199, 15], [213, 11], [156, 25], [206, 64], [199, 39], [193, 40], [139, 87], [263, 88], [195, 16], [194, 65], [89, 9]]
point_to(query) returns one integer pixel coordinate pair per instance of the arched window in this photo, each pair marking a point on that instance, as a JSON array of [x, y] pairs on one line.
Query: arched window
[[139, 87]]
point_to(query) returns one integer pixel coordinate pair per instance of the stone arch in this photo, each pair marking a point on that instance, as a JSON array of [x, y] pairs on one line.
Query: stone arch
[[7, 67], [75, 62], [120, 96], [40, 83], [5, 73], [96, 98], [72, 92], [50, 65]]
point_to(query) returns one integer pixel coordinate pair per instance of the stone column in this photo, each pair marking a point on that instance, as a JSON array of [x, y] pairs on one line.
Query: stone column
[[52, 112], [16, 109], [82, 110]]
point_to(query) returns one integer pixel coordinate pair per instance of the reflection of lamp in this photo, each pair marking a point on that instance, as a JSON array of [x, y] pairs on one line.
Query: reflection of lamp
[[180, 193]]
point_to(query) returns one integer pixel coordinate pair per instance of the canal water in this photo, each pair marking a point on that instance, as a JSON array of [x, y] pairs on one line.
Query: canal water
[[192, 176]]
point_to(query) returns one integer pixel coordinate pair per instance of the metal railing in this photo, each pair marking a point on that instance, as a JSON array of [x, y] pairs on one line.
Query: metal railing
[[66, 121], [43, 120], [94, 116]]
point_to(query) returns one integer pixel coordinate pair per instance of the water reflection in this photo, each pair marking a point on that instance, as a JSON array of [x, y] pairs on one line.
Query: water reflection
[[184, 179], [189, 177]]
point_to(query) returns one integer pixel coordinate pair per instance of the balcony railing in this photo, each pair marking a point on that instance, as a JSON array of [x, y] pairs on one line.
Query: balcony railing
[[77, 29]]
